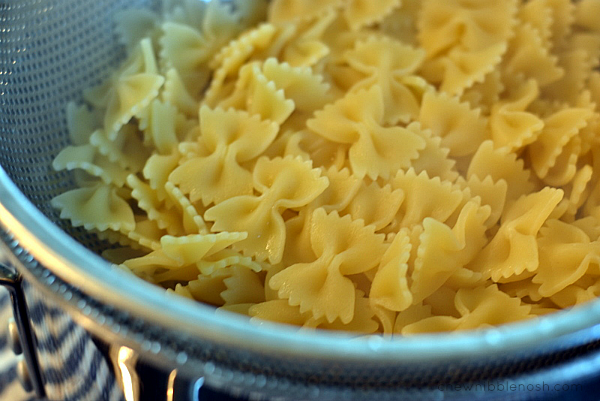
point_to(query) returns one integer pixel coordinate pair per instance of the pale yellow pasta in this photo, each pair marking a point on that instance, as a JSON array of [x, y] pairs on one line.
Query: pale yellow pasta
[[484, 24], [290, 10], [301, 44], [442, 250], [176, 93], [243, 287], [133, 25], [288, 183], [576, 193], [562, 20], [86, 158], [577, 65], [583, 290], [401, 23], [528, 56], [461, 69], [390, 284], [585, 11], [510, 124], [231, 58], [513, 249], [464, 41], [558, 130], [392, 167], [81, 122], [130, 90], [157, 170], [480, 306], [155, 209], [145, 235], [340, 192], [227, 258], [188, 44], [390, 65], [486, 93], [116, 150], [422, 195], [461, 128], [98, 207], [539, 16], [231, 138], [491, 193], [358, 120], [434, 157], [299, 84], [339, 243], [258, 95], [193, 248], [566, 255], [500, 164], [192, 221], [360, 13]]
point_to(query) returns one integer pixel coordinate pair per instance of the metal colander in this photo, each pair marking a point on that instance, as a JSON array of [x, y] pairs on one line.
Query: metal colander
[[50, 50]]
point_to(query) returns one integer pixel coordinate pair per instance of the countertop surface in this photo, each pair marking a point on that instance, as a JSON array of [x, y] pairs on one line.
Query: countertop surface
[[73, 367], [10, 388], [71, 349]]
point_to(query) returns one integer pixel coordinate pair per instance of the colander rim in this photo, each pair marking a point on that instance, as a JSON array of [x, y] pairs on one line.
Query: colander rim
[[72, 262]]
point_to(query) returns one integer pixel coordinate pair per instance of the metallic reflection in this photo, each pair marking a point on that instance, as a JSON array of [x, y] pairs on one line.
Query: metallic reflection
[[170, 385], [124, 360], [196, 391]]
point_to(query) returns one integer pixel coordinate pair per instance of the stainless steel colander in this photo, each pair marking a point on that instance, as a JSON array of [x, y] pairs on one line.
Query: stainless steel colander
[[50, 50]]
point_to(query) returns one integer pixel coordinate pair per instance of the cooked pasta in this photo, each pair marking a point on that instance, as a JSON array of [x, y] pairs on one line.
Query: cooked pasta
[[392, 167]]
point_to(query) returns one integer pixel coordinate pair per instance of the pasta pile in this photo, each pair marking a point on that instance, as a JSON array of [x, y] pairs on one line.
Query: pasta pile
[[391, 166]]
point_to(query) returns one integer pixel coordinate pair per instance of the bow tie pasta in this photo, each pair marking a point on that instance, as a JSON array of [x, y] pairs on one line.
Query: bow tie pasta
[[393, 167]]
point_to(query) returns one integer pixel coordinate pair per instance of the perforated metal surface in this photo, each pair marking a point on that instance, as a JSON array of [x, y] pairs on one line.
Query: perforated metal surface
[[50, 50]]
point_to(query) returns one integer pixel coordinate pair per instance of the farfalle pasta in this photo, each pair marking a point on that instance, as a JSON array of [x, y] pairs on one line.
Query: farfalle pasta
[[288, 183], [390, 65], [340, 245], [392, 167], [358, 120], [230, 138]]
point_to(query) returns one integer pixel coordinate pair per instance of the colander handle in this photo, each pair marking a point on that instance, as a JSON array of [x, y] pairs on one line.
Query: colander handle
[[29, 373]]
